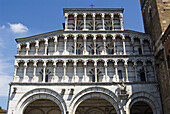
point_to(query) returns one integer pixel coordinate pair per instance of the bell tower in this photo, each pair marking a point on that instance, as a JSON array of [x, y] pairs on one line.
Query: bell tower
[[156, 17]]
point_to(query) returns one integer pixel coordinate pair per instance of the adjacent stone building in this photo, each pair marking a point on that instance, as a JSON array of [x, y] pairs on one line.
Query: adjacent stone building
[[93, 66], [156, 16]]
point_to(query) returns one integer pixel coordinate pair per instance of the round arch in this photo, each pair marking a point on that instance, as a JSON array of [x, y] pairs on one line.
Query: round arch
[[144, 97], [96, 92], [41, 106], [41, 93]]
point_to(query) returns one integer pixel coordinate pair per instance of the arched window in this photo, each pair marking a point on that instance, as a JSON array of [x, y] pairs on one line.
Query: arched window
[[120, 75], [168, 61], [140, 51], [141, 108]]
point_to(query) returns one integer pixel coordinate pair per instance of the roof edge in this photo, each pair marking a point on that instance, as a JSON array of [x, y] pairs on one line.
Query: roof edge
[[59, 31], [92, 9]]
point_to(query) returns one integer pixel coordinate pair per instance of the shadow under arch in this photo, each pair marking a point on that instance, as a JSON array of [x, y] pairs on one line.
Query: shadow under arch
[[96, 92], [40, 93], [144, 97]]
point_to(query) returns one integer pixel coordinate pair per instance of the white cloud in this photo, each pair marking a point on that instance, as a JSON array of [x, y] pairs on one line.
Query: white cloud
[[2, 27], [5, 77], [18, 28], [1, 43]]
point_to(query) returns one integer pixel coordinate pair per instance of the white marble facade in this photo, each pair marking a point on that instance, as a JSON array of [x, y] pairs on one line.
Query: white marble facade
[[92, 58]]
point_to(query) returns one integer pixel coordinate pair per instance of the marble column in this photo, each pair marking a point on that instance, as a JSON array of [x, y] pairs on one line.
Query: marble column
[[36, 47], [114, 44], [85, 70], [35, 68], [15, 70], [95, 71], [146, 77], [75, 66], [126, 71], [105, 66], [116, 71], [18, 49], [75, 45], [141, 44], [64, 65], [112, 17], [66, 21], [103, 21], [85, 51], [124, 47], [94, 41], [84, 18], [55, 45], [104, 45], [25, 71], [154, 70], [54, 69], [75, 21], [135, 68], [44, 71], [65, 46], [94, 26], [27, 48], [121, 21], [46, 47]]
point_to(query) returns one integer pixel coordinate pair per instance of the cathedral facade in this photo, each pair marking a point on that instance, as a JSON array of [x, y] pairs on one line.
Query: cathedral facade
[[93, 66]]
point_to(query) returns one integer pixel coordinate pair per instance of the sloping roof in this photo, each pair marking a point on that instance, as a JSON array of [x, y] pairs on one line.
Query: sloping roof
[[166, 34], [62, 31]]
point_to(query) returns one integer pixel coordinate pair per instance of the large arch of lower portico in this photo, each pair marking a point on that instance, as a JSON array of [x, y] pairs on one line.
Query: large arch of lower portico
[[143, 97], [41, 93], [96, 92]]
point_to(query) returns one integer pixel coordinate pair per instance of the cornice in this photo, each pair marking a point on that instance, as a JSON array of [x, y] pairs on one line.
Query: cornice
[[82, 83], [77, 32], [92, 9]]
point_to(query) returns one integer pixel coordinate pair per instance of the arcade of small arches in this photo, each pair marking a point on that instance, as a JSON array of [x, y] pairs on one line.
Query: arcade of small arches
[[89, 103], [84, 70], [93, 21], [87, 45]]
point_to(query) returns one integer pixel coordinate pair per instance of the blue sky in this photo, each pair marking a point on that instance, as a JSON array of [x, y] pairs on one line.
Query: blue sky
[[21, 18]]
